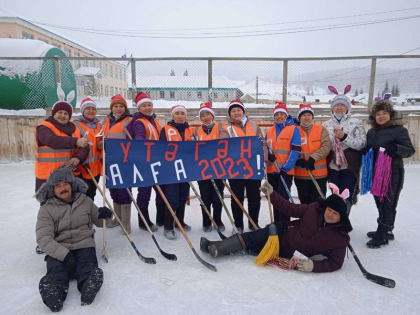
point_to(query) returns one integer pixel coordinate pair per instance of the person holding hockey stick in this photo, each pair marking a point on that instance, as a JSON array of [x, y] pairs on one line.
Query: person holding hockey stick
[[177, 194], [210, 130], [321, 229], [65, 233]]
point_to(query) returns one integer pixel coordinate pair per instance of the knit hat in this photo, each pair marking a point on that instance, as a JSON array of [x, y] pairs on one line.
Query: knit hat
[[206, 107], [87, 102], [118, 99], [62, 105], [236, 103], [305, 108], [141, 98], [340, 98], [178, 108], [280, 108], [338, 204]]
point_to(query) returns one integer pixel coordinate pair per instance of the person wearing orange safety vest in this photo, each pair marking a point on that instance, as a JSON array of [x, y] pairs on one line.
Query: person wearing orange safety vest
[[210, 130], [145, 126], [58, 142], [177, 194], [89, 126], [115, 127], [284, 145], [316, 146], [240, 126]]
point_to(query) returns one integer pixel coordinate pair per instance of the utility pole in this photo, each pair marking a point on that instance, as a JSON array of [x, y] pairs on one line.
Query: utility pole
[[256, 87]]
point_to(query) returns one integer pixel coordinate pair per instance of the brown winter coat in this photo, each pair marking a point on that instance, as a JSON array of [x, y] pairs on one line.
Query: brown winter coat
[[62, 226]]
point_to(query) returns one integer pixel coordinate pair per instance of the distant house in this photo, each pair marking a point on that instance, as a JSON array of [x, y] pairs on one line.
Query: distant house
[[188, 88], [88, 81]]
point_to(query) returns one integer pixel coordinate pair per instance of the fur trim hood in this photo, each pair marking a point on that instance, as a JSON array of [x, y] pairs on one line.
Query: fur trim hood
[[386, 105]]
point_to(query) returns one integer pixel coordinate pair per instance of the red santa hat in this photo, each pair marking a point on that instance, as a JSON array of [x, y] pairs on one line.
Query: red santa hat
[[141, 98], [206, 107], [178, 108], [305, 108], [236, 103], [61, 105], [87, 102], [280, 108]]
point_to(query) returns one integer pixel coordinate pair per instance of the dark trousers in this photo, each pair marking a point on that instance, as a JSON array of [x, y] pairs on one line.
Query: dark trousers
[[255, 240], [91, 192], [275, 181], [252, 188], [120, 196], [160, 208], [210, 198], [343, 179], [143, 198], [387, 209], [177, 195], [61, 273], [307, 191]]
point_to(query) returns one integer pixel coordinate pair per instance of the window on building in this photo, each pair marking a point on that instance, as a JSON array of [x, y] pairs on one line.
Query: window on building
[[226, 95], [85, 63], [102, 90], [121, 76], [189, 94], [171, 94], [112, 91], [26, 35], [162, 94], [76, 54], [67, 52], [111, 71], [215, 95], [106, 70], [106, 90], [199, 95]]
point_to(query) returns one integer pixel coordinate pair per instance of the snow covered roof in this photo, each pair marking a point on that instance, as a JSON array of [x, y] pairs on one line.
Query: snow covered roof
[[88, 71], [185, 82]]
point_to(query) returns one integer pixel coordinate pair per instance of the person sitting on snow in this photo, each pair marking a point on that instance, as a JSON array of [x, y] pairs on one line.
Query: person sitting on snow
[[322, 229], [64, 232]]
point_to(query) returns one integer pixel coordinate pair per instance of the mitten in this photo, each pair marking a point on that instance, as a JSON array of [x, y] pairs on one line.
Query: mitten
[[301, 163], [104, 213], [266, 188], [310, 164], [271, 157], [305, 265]]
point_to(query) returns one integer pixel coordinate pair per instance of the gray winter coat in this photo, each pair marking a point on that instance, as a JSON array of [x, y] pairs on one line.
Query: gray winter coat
[[62, 226]]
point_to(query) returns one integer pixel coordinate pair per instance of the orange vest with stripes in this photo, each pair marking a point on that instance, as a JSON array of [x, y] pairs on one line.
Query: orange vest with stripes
[[213, 135], [172, 134], [93, 160], [152, 133], [280, 147], [310, 144], [118, 130], [48, 159], [250, 130]]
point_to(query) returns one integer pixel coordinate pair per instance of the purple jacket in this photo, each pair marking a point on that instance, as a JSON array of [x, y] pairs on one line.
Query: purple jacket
[[310, 235], [137, 129]]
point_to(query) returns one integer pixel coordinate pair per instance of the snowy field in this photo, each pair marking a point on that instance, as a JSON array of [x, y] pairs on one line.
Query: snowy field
[[187, 287]]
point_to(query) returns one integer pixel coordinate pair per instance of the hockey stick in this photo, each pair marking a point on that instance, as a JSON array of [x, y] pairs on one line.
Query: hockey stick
[[164, 254], [205, 263], [142, 258], [207, 211], [386, 282], [104, 253]]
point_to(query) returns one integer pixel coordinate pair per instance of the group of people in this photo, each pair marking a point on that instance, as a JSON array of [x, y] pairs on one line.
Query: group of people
[[68, 165]]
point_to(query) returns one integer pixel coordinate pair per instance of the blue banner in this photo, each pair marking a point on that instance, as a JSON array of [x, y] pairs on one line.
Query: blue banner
[[142, 163]]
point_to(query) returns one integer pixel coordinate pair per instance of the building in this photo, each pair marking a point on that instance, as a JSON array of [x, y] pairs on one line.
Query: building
[[109, 79], [188, 88]]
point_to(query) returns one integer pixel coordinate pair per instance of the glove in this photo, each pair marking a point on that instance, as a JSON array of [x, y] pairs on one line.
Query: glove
[[104, 213], [310, 164], [391, 150], [266, 188], [305, 265], [301, 163], [69, 261], [271, 157]]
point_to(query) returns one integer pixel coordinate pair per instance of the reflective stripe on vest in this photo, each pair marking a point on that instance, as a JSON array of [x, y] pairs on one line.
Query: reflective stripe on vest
[[310, 144], [117, 131], [95, 155], [280, 146], [172, 134], [48, 159], [152, 133], [235, 131], [214, 134]]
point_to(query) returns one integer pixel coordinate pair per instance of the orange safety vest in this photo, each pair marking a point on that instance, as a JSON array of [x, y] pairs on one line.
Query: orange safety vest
[[95, 155], [172, 134], [151, 132], [48, 159], [235, 131], [118, 130], [213, 135], [311, 144], [280, 147]]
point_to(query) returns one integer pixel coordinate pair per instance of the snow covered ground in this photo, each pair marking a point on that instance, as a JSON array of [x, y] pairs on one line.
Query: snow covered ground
[[187, 287]]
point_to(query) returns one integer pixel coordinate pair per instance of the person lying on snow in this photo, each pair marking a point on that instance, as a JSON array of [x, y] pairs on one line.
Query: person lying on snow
[[64, 232], [322, 228]]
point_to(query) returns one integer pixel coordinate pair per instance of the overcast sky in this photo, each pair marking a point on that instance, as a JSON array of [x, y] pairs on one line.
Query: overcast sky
[[382, 38]]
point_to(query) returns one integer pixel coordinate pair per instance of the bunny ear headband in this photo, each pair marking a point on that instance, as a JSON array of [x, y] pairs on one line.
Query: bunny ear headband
[[334, 90], [344, 194]]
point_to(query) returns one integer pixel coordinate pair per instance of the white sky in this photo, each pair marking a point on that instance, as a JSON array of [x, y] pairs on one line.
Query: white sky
[[386, 38]]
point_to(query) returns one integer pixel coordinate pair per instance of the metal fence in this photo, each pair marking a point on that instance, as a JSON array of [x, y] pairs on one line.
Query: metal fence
[[31, 82]]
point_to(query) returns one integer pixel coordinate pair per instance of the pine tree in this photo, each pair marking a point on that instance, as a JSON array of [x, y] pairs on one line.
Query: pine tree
[[397, 90], [186, 73], [356, 93], [393, 90], [386, 88], [172, 74], [361, 91]]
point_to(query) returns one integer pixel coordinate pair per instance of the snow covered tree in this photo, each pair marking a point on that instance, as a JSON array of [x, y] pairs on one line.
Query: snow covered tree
[[386, 88], [356, 93], [186, 73], [397, 90], [361, 91], [172, 74], [393, 90]]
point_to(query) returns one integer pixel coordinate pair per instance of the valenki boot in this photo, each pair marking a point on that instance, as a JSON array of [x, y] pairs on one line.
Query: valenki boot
[[225, 247], [126, 217]]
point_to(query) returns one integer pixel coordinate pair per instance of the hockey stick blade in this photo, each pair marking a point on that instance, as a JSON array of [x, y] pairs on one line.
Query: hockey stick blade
[[205, 263], [147, 260], [221, 234], [105, 257], [164, 254]]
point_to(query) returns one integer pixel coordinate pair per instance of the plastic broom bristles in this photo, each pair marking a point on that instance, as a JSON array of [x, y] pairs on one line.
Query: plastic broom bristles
[[271, 248]]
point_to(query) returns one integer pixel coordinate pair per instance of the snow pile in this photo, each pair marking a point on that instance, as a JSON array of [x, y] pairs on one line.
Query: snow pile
[[23, 112], [187, 287]]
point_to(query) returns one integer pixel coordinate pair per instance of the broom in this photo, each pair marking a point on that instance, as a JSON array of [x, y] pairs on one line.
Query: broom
[[271, 248]]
